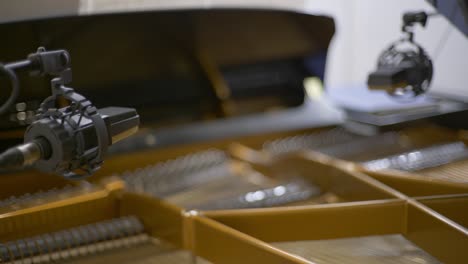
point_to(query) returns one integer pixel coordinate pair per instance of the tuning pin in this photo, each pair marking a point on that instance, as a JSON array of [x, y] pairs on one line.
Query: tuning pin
[[174, 175], [311, 141], [293, 191], [421, 158], [39, 196]]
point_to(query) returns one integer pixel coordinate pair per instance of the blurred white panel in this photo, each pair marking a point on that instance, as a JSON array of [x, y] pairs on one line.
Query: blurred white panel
[[107, 6], [17, 10]]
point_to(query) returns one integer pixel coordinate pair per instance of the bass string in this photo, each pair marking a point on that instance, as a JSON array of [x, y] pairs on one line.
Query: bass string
[[77, 241]]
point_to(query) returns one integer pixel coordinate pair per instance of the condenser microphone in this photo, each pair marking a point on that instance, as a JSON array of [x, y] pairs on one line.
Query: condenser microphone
[[75, 146], [72, 139]]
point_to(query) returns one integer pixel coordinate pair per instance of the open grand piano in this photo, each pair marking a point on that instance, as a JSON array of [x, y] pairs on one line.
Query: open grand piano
[[236, 160]]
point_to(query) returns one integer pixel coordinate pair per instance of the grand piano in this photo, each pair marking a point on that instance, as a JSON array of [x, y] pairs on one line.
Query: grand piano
[[240, 157]]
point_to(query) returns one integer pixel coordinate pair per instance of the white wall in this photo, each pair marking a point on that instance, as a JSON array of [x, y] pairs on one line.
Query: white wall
[[366, 27]]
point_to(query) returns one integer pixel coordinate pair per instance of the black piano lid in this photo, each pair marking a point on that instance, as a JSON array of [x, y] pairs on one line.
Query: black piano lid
[[168, 63]]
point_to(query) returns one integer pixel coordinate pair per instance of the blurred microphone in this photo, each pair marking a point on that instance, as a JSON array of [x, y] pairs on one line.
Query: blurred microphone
[[69, 139], [70, 142]]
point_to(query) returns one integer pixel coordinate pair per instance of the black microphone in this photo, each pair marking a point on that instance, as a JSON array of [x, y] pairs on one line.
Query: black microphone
[[71, 149], [70, 140], [404, 69]]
